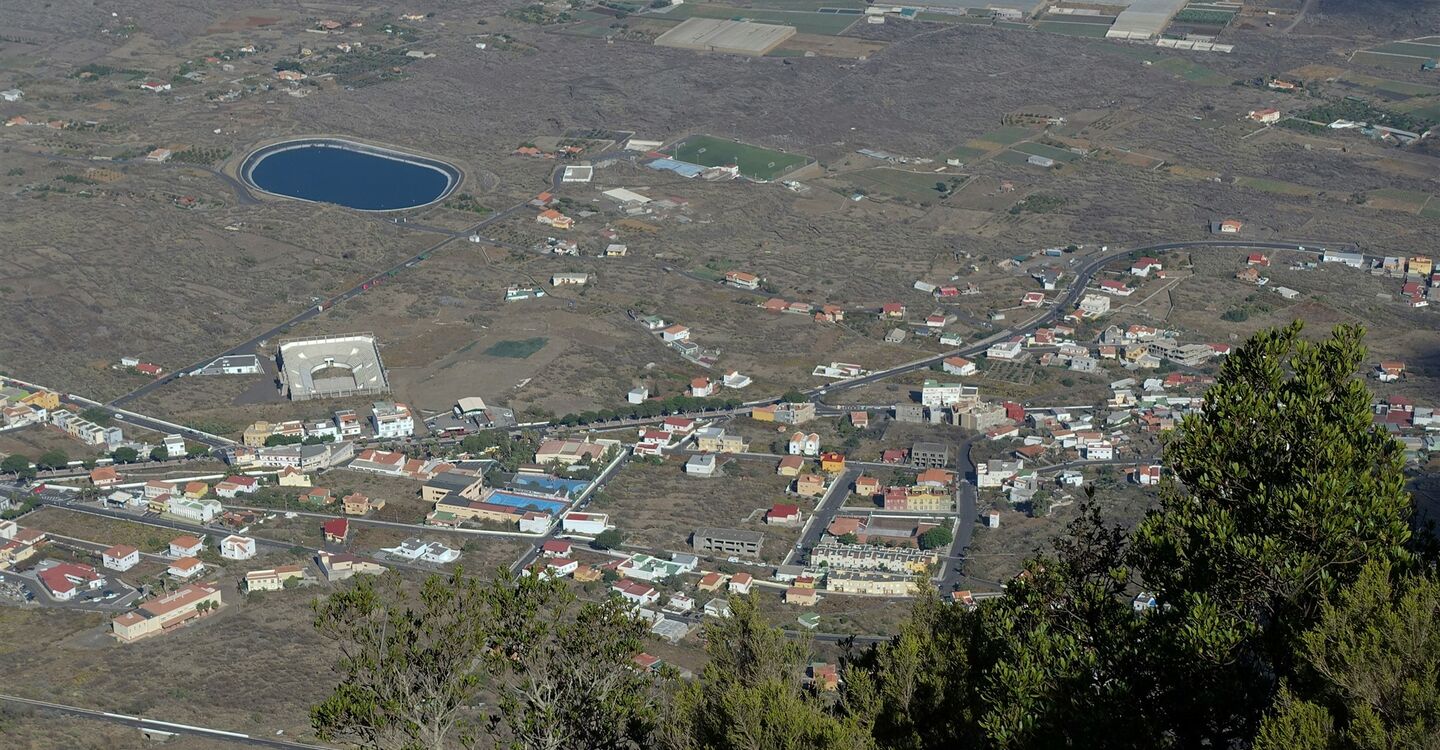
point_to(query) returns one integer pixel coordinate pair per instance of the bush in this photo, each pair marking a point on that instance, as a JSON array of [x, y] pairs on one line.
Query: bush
[[608, 539], [936, 538], [1236, 315]]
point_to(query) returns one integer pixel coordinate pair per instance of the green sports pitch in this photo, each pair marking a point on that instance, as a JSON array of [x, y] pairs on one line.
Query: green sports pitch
[[754, 162]]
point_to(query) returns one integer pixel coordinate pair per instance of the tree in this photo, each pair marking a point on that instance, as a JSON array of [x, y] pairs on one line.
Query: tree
[[124, 455], [158, 453], [608, 539], [409, 664], [1284, 490], [414, 664], [565, 672], [749, 694], [793, 396], [18, 465], [1369, 670], [849, 537], [937, 537], [1050, 664], [53, 459]]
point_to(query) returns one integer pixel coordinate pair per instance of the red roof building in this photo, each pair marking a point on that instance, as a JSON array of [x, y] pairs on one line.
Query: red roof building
[[337, 530]]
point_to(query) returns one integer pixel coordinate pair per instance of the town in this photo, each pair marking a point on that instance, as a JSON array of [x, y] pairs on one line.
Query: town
[[703, 313]]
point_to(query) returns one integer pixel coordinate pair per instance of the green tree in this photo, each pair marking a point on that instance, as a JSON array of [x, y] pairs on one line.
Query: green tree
[[1050, 664], [417, 665], [749, 694], [158, 453], [124, 455], [937, 537], [1369, 669], [849, 537], [1286, 489], [18, 465], [53, 459], [608, 539]]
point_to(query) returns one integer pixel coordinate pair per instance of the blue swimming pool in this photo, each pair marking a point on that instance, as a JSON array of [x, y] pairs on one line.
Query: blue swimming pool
[[345, 173], [549, 485], [514, 500]]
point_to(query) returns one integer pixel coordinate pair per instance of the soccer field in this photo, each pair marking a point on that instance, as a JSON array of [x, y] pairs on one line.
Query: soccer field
[[755, 162]]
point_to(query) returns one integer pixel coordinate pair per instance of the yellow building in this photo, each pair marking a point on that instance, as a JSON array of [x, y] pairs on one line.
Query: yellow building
[[763, 413], [1419, 265], [292, 477], [255, 435], [875, 584], [165, 613], [43, 399], [832, 463]]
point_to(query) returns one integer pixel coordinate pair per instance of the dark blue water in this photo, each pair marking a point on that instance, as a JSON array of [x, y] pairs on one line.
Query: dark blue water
[[354, 179]]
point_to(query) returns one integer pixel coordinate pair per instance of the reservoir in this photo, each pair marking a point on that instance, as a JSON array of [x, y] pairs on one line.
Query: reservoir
[[354, 175]]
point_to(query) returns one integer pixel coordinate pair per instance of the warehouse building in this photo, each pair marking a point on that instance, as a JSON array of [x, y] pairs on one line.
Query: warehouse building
[[730, 37]]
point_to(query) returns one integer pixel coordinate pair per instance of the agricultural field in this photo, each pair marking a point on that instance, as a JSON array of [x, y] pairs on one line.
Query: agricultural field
[[804, 22], [1409, 53], [1278, 187], [916, 187], [516, 348], [755, 162], [1073, 26], [1050, 152]]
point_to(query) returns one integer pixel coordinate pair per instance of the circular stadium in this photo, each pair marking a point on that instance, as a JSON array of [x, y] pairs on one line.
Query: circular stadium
[[350, 174]]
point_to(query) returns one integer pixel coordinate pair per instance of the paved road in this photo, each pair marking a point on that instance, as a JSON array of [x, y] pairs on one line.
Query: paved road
[[967, 515], [164, 726], [69, 503], [823, 514]]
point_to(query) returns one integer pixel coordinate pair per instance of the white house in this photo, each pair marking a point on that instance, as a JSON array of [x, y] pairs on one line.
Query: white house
[[734, 379], [1143, 266], [203, 510], [635, 592], [438, 553], [186, 567], [392, 420], [1099, 450], [995, 472], [561, 567], [1094, 305], [1005, 350], [535, 522], [235, 547], [569, 279], [958, 366], [120, 557], [802, 444], [186, 546], [935, 394], [676, 332], [174, 446], [702, 465], [638, 395], [717, 608], [588, 524]]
